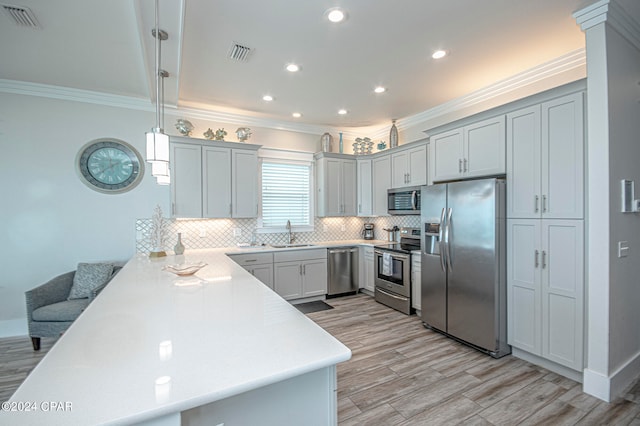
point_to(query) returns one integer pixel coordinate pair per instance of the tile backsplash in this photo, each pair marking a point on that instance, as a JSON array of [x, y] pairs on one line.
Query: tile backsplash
[[211, 233]]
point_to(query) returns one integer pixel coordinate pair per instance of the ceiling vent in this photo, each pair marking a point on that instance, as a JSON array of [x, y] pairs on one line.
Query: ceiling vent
[[239, 52], [22, 16]]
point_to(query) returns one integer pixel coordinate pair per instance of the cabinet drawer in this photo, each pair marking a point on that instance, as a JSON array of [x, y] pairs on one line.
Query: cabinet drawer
[[252, 258], [297, 255]]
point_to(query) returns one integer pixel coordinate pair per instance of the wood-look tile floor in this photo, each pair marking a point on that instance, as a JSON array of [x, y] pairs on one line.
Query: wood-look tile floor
[[401, 373]]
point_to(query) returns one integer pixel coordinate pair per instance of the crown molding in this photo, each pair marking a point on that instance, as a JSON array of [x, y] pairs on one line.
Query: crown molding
[[76, 95], [613, 14], [570, 61]]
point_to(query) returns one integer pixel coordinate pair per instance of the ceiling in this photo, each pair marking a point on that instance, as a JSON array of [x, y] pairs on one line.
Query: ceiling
[[106, 46]]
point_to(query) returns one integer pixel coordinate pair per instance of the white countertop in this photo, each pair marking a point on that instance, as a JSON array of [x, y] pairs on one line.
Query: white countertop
[[217, 334], [313, 245]]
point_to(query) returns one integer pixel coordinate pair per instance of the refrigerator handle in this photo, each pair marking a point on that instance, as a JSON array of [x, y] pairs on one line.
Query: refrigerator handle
[[441, 241], [448, 242]]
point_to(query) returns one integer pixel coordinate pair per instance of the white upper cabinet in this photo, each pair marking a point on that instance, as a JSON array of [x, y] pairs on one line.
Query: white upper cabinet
[[216, 178], [211, 180], [409, 167], [336, 181], [471, 151], [186, 180], [365, 187], [244, 185], [545, 160], [381, 183]]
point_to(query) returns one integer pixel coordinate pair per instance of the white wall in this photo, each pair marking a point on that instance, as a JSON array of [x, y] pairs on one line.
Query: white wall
[[624, 162], [613, 62], [49, 220]]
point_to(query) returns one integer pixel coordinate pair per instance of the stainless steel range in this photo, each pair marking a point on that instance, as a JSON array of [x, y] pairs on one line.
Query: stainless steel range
[[393, 270]]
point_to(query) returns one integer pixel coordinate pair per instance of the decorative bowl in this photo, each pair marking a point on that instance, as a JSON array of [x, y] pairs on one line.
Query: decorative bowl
[[184, 269]]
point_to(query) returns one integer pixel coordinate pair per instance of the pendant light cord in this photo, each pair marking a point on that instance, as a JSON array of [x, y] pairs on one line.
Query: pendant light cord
[[157, 58]]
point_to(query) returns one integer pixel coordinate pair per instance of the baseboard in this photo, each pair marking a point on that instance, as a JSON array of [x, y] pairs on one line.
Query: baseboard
[[549, 365], [596, 384], [610, 387], [14, 327]]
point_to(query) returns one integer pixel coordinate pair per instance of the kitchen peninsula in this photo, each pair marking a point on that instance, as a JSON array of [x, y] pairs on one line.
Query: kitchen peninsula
[[211, 348]]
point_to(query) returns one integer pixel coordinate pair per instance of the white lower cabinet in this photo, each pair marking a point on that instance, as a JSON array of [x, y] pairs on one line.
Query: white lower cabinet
[[300, 273], [367, 273], [260, 265], [416, 281], [545, 289]]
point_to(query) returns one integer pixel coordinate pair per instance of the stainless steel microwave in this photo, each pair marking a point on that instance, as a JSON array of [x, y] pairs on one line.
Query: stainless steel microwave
[[403, 200]]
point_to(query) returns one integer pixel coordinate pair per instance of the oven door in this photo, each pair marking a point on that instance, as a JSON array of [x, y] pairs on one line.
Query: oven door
[[396, 275]]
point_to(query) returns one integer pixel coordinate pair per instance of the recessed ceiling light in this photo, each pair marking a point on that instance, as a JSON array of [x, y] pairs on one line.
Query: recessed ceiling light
[[342, 111], [293, 68], [380, 89], [267, 98], [438, 54], [296, 115], [336, 15]]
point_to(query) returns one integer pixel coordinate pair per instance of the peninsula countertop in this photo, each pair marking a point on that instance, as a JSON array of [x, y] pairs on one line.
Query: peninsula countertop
[[154, 344]]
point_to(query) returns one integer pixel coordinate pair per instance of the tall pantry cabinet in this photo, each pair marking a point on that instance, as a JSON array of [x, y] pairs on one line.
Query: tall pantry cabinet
[[545, 230]]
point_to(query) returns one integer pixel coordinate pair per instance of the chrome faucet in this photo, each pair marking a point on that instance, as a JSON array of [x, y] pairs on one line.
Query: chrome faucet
[[290, 236]]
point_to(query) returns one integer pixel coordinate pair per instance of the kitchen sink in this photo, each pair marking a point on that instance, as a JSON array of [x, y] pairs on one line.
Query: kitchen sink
[[291, 245]]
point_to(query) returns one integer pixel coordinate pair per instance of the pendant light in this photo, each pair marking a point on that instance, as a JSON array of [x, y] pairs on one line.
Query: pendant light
[[157, 140]]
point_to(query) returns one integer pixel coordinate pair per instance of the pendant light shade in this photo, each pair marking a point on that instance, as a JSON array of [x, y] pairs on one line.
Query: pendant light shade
[[157, 147]]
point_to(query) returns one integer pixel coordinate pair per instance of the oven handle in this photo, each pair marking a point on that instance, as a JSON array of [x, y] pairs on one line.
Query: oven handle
[[394, 255], [386, 293]]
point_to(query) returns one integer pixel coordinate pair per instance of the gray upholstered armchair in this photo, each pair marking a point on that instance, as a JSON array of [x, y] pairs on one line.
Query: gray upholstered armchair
[[49, 309]]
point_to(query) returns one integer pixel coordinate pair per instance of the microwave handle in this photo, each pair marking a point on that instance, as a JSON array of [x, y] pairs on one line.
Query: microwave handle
[[414, 199]]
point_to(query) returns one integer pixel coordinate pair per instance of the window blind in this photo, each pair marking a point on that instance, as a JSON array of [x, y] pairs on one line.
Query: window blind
[[286, 194]]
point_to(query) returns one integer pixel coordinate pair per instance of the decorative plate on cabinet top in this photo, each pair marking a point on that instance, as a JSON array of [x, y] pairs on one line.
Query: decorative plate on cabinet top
[[184, 269]]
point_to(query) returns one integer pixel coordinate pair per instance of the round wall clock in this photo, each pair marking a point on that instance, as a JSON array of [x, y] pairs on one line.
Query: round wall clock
[[109, 165]]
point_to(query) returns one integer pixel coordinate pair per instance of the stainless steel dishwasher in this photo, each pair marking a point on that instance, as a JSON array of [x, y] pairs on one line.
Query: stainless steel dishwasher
[[343, 270]]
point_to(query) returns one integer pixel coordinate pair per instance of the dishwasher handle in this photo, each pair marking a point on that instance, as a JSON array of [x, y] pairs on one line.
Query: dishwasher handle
[[343, 250]]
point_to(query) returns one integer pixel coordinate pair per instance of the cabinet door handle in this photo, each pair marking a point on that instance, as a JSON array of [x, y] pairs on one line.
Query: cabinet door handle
[[459, 165], [464, 168], [300, 267], [173, 209], [544, 261], [544, 203], [536, 263], [230, 209], [535, 204], [359, 208], [304, 269]]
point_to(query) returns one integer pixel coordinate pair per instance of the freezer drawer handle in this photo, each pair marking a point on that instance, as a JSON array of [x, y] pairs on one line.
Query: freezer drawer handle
[[390, 295]]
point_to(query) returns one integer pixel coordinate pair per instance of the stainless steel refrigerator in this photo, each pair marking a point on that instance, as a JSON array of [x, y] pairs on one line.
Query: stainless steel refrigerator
[[464, 262]]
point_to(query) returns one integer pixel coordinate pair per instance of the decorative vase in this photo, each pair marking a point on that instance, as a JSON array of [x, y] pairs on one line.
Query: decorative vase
[[326, 141], [393, 135], [341, 147], [178, 249]]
